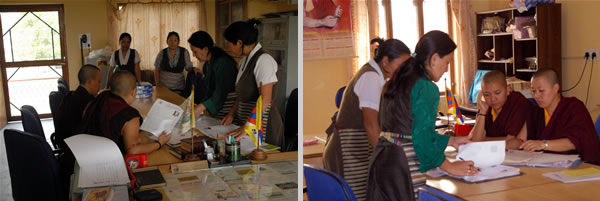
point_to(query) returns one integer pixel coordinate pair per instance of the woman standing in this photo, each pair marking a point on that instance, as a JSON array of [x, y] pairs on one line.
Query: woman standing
[[256, 77], [408, 112], [219, 75], [170, 63], [356, 127], [125, 58]]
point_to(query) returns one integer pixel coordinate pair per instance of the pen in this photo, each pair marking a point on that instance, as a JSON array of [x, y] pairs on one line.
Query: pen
[[461, 158]]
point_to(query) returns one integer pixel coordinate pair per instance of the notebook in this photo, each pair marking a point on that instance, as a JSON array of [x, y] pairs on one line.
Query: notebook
[[146, 178], [577, 175], [540, 159]]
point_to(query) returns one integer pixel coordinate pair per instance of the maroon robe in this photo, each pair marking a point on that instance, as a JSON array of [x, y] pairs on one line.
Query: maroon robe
[[106, 116], [511, 118], [570, 120], [69, 114]]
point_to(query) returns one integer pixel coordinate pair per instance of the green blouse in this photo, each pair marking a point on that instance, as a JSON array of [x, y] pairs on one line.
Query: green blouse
[[219, 77], [428, 144]]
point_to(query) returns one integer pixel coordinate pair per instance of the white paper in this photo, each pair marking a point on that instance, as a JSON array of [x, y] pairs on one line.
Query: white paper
[[163, 116], [206, 121], [518, 157], [212, 131], [100, 160], [483, 154]]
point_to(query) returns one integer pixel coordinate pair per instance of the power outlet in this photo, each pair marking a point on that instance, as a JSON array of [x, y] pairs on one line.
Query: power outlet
[[85, 40], [591, 51]]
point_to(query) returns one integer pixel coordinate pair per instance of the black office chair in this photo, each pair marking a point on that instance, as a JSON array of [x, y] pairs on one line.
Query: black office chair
[[55, 99], [291, 122], [25, 154], [31, 121], [63, 87]]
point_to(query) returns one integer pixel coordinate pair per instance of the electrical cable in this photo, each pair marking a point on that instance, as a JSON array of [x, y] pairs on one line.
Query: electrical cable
[[587, 56], [590, 80]]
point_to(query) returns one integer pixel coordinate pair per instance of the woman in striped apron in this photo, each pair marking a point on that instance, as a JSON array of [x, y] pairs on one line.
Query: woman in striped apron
[[256, 78], [356, 127], [407, 119]]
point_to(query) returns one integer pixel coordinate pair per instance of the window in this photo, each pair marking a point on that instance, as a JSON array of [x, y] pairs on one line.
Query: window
[[33, 56], [411, 19]]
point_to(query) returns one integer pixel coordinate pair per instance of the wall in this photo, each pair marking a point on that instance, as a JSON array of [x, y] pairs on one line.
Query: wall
[[322, 80], [578, 34]]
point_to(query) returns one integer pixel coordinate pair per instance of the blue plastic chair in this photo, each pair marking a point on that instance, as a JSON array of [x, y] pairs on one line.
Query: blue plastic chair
[[325, 185], [597, 125], [428, 193]]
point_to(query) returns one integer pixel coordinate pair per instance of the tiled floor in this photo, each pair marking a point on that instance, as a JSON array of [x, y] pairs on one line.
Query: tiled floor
[[47, 124]]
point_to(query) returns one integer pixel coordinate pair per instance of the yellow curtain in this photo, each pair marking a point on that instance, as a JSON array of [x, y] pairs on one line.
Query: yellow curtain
[[465, 58], [362, 28], [149, 24]]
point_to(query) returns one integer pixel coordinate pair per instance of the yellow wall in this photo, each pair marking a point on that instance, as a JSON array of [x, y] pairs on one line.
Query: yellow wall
[[322, 79], [210, 17], [577, 35]]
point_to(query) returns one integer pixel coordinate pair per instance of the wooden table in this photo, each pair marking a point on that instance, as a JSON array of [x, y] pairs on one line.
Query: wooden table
[[162, 157], [530, 186]]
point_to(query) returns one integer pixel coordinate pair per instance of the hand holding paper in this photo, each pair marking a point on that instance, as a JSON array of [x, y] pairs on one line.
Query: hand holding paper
[[483, 154]]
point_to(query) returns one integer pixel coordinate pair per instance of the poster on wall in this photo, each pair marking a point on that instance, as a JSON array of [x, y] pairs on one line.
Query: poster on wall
[[327, 29]]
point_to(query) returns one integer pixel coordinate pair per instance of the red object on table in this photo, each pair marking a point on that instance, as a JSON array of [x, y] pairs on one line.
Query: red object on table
[[462, 129], [136, 160]]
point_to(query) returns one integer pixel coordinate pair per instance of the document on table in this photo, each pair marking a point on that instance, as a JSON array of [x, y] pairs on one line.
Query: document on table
[[212, 131], [483, 154], [100, 160], [163, 116], [540, 159], [577, 175]]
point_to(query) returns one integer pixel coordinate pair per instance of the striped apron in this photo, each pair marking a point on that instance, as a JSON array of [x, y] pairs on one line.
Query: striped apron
[[405, 141], [355, 159]]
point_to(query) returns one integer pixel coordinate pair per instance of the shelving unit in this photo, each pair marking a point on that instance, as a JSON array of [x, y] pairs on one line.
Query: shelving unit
[[510, 53]]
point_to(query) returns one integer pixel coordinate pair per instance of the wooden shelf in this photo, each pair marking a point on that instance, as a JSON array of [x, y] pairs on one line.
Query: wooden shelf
[[496, 62], [525, 39], [496, 34], [526, 70]]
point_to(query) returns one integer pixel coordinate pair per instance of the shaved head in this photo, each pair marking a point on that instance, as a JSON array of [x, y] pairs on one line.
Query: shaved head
[[548, 73], [122, 82], [494, 77], [87, 72]]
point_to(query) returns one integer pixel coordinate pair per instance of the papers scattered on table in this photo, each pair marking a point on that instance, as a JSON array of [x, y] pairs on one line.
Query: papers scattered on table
[[163, 116], [540, 159], [100, 160], [577, 175], [212, 131], [483, 154], [487, 156]]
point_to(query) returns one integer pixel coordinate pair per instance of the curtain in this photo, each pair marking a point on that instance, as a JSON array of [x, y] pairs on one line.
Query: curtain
[[149, 24], [465, 61], [362, 28]]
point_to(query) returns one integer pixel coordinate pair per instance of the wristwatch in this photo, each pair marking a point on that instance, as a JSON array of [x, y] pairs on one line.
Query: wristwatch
[[545, 144]]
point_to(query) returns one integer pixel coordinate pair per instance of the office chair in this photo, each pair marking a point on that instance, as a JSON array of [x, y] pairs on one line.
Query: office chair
[[63, 82], [291, 122], [325, 185], [25, 154], [31, 121], [428, 193], [55, 99]]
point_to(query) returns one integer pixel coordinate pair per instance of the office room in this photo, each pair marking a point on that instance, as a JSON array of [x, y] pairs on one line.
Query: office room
[[415, 89], [60, 57]]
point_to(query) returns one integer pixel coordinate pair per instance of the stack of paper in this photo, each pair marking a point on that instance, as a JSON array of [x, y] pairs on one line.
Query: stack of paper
[[487, 156], [99, 159], [578, 175], [540, 159]]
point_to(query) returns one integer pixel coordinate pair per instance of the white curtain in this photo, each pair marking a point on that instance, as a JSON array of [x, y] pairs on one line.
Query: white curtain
[[465, 57], [360, 29], [149, 24]]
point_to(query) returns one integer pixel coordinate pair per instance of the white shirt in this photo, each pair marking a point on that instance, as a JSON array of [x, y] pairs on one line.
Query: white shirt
[[122, 59], [368, 87], [265, 71]]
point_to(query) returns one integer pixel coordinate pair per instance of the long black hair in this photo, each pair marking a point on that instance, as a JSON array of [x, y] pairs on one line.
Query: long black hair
[[201, 39], [392, 48], [247, 32], [412, 69]]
